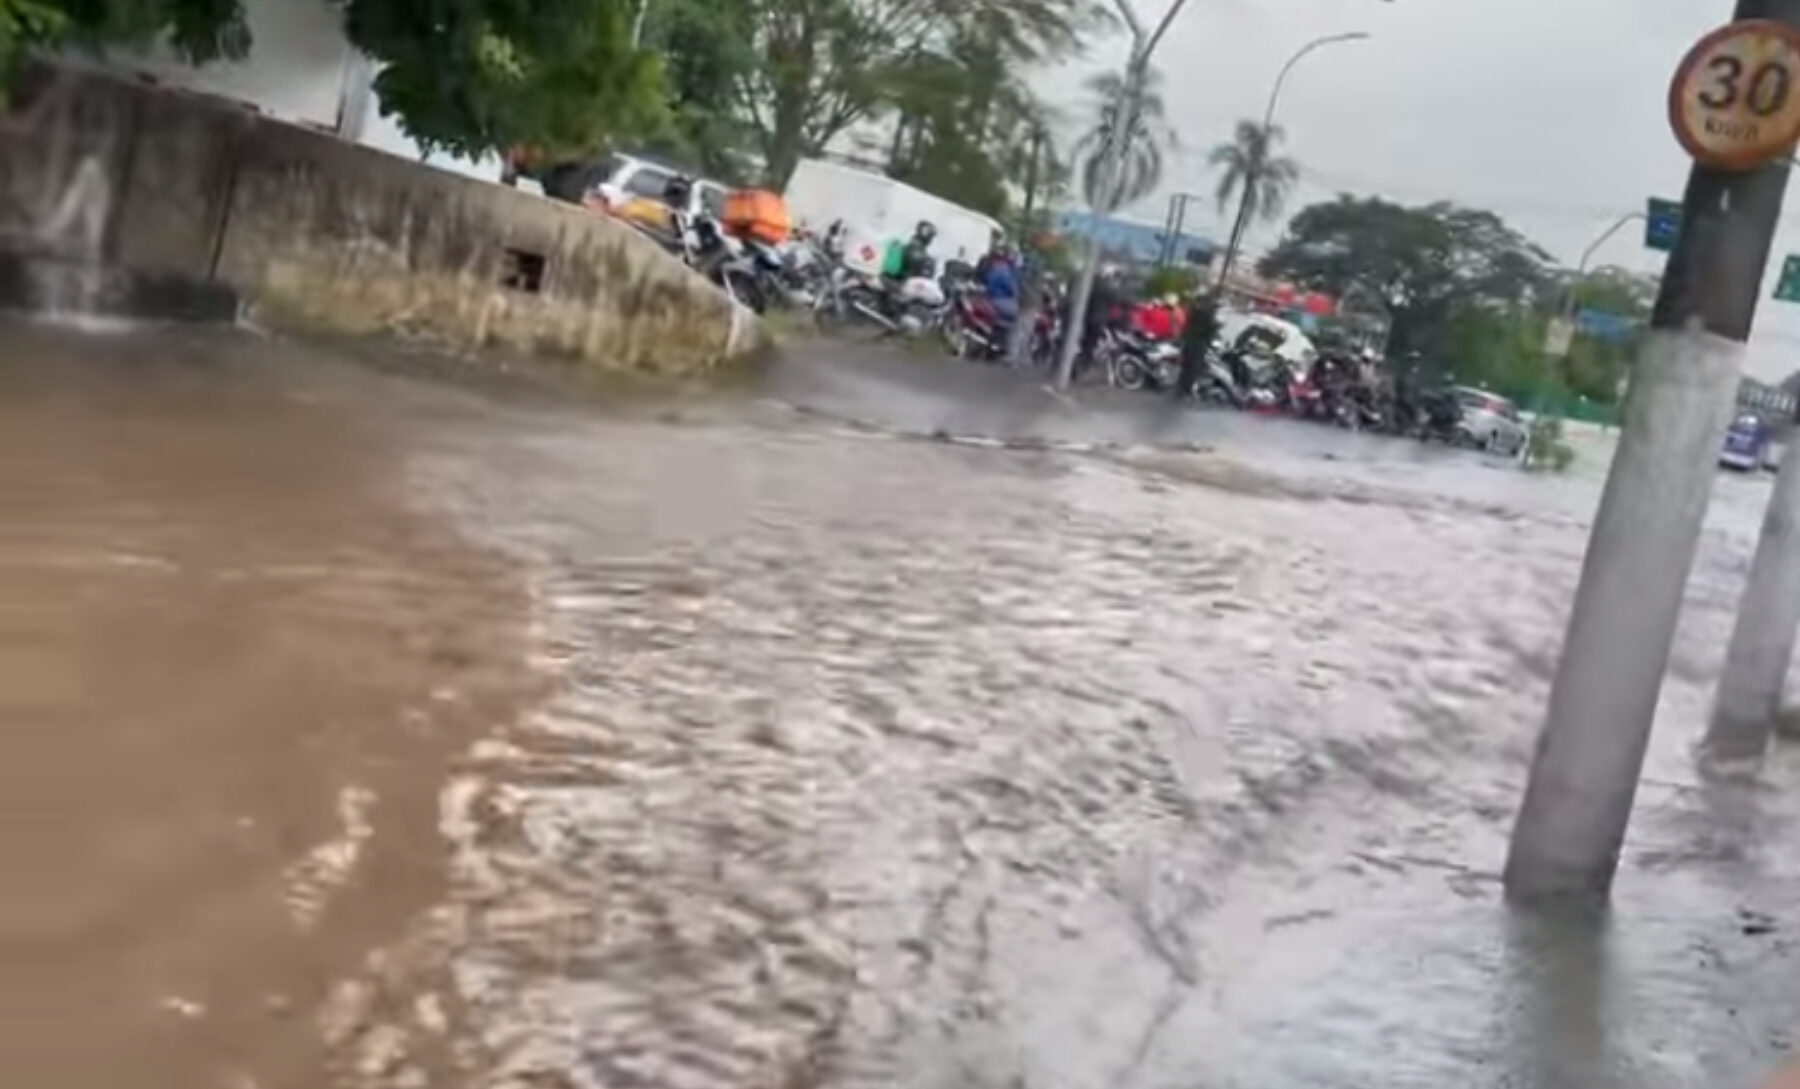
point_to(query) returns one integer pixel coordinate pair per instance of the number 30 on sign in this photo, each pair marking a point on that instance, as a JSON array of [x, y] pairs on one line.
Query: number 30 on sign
[[1735, 102]]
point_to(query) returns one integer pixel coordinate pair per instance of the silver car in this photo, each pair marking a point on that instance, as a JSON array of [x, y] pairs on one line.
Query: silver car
[[1491, 422]]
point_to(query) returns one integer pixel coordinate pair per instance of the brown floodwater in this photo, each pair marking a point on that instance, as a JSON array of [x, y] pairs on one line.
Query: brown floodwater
[[228, 653], [362, 731]]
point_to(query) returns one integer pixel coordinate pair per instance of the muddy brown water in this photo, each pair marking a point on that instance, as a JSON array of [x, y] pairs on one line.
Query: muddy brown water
[[227, 652], [371, 732]]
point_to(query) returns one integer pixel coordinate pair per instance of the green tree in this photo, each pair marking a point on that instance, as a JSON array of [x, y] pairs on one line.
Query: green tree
[[25, 24], [708, 52], [1595, 367], [1179, 280], [1259, 178], [469, 76], [1147, 137], [202, 30], [474, 76], [825, 65], [967, 128], [1424, 264]]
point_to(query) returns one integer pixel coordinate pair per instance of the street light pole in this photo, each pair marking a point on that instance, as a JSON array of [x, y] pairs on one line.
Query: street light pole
[[1170, 252], [1567, 311], [1250, 180], [1112, 154]]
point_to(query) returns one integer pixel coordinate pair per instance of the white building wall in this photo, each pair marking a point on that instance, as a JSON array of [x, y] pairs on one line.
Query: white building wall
[[295, 70], [301, 68]]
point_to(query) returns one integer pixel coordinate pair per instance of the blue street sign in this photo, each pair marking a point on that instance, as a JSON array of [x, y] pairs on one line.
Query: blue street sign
[[1662, 224], [1787, 288], [1612, 328]]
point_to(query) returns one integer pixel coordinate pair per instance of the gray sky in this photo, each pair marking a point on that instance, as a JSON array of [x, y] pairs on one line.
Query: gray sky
[[1550, 112]]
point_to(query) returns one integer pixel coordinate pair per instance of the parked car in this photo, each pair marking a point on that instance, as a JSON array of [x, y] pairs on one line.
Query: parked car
[[1746, 444], [611, 182], [1492, 422], [1271, 336]]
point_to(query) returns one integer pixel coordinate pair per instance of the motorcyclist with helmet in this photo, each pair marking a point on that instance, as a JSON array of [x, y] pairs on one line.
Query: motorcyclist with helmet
[[916, 261]]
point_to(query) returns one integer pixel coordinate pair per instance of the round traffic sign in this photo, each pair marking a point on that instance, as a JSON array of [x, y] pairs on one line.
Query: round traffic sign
[[1735, 102]]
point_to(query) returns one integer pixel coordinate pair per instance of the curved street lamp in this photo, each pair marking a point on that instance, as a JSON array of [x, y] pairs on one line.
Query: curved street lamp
[[1242, 223]]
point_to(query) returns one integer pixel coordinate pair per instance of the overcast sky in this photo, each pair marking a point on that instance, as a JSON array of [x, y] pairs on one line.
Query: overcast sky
[[1552, 113]]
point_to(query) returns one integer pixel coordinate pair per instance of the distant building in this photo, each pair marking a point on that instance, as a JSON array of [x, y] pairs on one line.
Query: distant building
[[1139, 243], [1775, 404]]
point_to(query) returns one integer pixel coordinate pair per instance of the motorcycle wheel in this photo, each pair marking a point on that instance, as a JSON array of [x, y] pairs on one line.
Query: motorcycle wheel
[[743, 289], [828, 313], [753, 295], [1130, 374], [956, 338], [863, 307]]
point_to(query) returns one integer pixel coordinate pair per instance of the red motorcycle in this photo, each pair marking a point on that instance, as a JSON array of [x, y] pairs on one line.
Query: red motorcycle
[[972, 326]]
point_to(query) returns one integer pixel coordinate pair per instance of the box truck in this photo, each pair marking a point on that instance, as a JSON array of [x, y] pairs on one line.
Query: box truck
[[876, 209]]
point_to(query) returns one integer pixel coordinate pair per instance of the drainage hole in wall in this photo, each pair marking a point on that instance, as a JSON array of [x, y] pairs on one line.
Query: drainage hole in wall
[[523, 271]]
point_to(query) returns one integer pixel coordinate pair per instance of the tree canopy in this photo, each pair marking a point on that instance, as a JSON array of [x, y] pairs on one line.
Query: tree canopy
[[473, 76], [202, 30], [1423, 263], [823, 66], [1251, 171], [1467, 292], [738, 87], [1147, 137], [470, 76]]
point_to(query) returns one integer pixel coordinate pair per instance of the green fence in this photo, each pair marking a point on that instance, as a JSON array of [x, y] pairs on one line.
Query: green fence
[[1566, 406]]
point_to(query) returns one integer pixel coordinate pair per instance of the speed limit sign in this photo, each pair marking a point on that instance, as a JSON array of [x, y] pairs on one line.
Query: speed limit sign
[[1735, 102]]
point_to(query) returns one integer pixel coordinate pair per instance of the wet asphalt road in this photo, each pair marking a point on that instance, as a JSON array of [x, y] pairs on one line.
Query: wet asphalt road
[[754, 739]]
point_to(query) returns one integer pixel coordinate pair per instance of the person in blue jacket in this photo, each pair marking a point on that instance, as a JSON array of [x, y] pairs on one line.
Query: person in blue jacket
[[1000, 282]]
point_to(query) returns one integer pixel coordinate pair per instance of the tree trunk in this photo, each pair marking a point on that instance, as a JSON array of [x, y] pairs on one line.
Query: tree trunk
[[893, 162], [1238, 227], [1031, 173], [787, 137]]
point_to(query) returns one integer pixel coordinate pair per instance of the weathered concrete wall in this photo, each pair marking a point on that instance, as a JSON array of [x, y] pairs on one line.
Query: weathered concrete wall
[[319, 234]]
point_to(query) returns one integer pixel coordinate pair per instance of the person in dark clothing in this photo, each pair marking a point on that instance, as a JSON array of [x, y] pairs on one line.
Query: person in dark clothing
[[1106, 305], [1196, 340], [917, 262]]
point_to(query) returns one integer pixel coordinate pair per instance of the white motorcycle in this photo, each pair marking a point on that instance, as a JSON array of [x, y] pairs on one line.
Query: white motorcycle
[[910, 308]]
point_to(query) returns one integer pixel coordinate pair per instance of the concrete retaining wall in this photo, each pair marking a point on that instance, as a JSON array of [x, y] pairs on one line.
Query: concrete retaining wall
[[315, 233]]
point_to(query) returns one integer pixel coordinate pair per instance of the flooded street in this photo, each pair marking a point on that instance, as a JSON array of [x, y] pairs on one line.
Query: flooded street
[[369, 731]]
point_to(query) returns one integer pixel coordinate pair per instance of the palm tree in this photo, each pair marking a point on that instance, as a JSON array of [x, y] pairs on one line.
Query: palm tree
[[1259, 178], [1147, 136]]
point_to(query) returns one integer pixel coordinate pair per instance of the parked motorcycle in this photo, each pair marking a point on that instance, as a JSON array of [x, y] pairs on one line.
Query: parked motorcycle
[[908, 308], [1440, 419], [973, 328], [701, 242], [1122, 360], [1262, 379], [726, 262]]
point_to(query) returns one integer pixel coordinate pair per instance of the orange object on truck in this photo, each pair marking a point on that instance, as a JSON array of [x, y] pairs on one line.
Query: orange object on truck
[[758, 214]]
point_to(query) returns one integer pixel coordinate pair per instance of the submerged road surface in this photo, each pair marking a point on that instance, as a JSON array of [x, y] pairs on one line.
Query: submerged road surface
[[365, 731]]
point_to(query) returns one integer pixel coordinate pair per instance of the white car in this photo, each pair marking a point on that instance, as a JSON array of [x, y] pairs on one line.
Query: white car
[[1492, 422], [1282, 339], [615, 179]]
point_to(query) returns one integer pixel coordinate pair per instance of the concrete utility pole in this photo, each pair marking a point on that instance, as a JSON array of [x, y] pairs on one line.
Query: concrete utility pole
[[1112, 155], [1762, 642], [1603, 700]]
